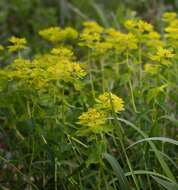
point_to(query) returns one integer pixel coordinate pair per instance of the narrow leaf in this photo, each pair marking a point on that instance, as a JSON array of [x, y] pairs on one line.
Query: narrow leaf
[[118, 170]]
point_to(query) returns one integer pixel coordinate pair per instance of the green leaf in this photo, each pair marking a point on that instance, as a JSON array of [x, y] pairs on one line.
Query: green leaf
[[155, 91], [124, 185], [167, 185], [163, 164], [95, 153], [100, 13], [163, 139], [146, 172], [171, 118]]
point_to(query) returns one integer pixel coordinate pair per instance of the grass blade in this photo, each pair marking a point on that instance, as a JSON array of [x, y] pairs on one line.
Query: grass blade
[[151, 173], [163, 139], [166, 184], [100, 13], [163, 164], [118, 170]]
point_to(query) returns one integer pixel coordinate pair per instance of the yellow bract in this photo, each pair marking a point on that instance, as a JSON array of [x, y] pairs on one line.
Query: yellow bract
[[44, 69], [169, 16], [163, 56], [138, 26], [130, 24], [93, 118], [1, 47], [92, 27], [91, 34], [56, 34], [121, 41], [63, 52], [151, 68], [144, 26], [18, 44], [110, 102], [153, 40]]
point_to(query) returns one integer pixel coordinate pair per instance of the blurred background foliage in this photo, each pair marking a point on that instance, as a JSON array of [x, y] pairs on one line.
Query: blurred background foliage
[[26, 17]]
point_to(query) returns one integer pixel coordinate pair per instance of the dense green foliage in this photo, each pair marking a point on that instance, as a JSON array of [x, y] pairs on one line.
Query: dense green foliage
[[86, 105]]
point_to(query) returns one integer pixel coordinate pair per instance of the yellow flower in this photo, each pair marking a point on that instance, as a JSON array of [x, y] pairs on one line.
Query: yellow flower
[[121, 41], [163, 56], [93, 118], [110, 101], [172, 30], [144, 26], [165, 53], [1, 47], [70, 33], [162, 53], [51, 34], [172, 33], [151, 68], [154, 35], [56, 34], [63, 52], [130, 24], [91, 34], [154, 40], [169, 16], [66, 70], [93, 27], [138, 26], [102, 48], [44, 70], [18, 44]]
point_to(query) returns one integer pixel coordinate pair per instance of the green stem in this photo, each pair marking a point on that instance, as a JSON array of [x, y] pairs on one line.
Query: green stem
[[91, 77], [102, 74], [140, 63], [55, 173], [130, 85], [129, 165]]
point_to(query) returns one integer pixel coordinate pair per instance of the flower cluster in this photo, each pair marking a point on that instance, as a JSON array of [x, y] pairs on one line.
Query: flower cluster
[[172, 28], [47, 68], [152, 68], [96, 118], [17, 44], [56, 34], [91, 34], [59, 67], [63, 52], [120, 41], [109, 101], [163, 56], [93, 118], [139, 27]]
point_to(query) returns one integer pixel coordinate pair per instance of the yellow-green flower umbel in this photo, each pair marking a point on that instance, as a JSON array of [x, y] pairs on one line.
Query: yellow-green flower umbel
[[109, 101], [92, 118], [17, 44]]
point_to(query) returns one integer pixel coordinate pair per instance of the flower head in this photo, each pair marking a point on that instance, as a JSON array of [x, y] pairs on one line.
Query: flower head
[[163, 56], [169, 16], [56, 34], [121, 41], [17, 44], [153, 40], [63, 52], [1, 47], [91, 34], [109, 101], [138, 26], [144, 26], [151, 68], [92, 118], [130, 24]]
